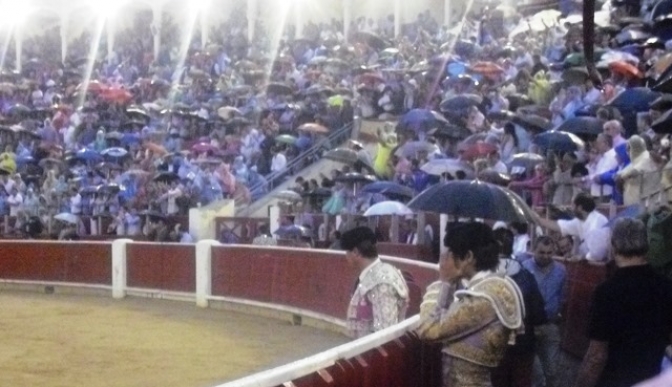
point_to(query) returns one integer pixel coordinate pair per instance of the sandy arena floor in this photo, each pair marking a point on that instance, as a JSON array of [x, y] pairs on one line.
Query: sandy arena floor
[[73, 341]]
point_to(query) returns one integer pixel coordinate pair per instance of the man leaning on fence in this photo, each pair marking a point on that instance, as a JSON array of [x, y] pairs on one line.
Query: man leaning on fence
[[381, 296]]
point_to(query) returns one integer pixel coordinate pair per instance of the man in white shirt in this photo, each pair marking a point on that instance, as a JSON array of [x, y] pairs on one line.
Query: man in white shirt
[[75, 202], [587, 221], [605, 163], [15, 201], [279, 161]]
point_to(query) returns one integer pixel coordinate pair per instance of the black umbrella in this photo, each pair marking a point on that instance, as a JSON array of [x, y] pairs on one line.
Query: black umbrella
[[493, 177], [473, 199], [631, 36], [317, 193], [450, 131], [526, 161], [558, 141], [390, 189], [137, 112], [518, 100], [663, 125], [575, 75], [531, 122], [279, 88], [19, 109], [354, 177], [371, 39], [166, 177], [460, 102], [582, 126]]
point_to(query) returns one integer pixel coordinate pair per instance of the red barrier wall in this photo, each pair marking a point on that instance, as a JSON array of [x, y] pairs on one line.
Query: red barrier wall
[[78, 262], [166, 266], [582, 279], [314, 280], [309, 279]]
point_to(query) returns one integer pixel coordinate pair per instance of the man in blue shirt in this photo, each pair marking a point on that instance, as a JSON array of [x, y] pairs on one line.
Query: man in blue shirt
[[550, 277]]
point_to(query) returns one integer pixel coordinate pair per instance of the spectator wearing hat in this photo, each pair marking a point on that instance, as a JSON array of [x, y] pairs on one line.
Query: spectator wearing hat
[[381, 295]]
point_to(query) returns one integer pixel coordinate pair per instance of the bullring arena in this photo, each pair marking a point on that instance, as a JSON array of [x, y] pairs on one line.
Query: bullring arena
[[134, 314]]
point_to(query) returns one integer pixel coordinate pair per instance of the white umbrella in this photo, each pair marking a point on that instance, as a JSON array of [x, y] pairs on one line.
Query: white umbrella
[[438, 167], [67, 218], [288, 195], [389, 207]]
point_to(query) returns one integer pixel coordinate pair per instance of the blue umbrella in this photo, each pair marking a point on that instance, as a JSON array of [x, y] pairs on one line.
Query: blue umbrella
[[421, 119], [558, 141], [88, 155], [130, 138], [631, 101], [633, 211], [114, 152], [22, 160], [292, 232], [389, 189], [473, 199], [582, 126]]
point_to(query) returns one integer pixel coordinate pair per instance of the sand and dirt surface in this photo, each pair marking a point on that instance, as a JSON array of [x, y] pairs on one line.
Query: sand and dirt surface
[[86, 341]]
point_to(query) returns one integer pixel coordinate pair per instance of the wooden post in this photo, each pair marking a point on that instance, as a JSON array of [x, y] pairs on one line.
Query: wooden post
[[420, 231], [395, 229]]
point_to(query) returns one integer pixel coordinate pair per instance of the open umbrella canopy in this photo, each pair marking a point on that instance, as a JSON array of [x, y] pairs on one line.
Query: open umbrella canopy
[[67, 218], [286, 139], [526, 161], [354, 177], [582, 126], [203, 147], [531, 122], [389, 189], [314, 128], [279, 88], [494, 177], [166, 177], [317, 193], [636, 99], [114, 152], [138, 112], [450, 131], [663, 125], [424, 119], [88, 155], [558, 141], [388, 207], [477, 150], [438, 167], [293, 231], [460, 102], [626, 69], [288, 195], [575, 75], [412, 148], [342, 155], [485, 201]]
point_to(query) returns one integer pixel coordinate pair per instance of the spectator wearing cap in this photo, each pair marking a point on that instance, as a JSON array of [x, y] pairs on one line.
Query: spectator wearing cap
[[381, 294]]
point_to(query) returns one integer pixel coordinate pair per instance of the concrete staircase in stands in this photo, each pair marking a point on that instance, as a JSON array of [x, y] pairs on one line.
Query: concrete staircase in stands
[[259, 209]]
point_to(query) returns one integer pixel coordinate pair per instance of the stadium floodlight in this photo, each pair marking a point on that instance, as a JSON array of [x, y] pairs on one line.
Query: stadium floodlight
[[199, 5], [15, 12], [106, 9]]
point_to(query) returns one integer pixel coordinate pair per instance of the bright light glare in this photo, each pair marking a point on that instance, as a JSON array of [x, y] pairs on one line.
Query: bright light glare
[[199, 5], [15, 12], [107, 8]]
